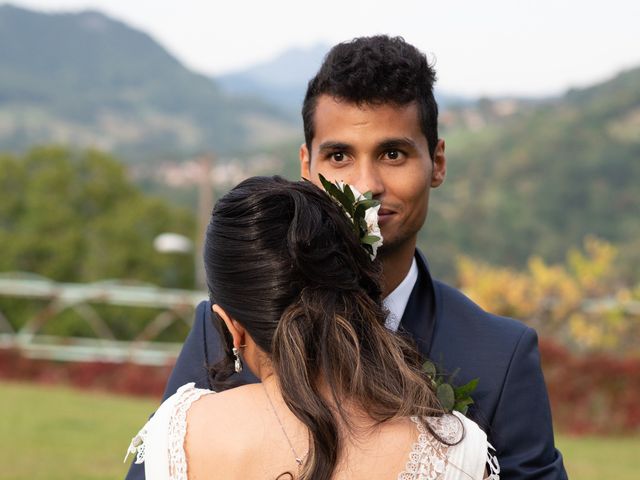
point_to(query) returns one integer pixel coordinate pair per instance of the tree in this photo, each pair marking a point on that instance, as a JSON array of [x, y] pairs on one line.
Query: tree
[[584, 303], [74, 216]]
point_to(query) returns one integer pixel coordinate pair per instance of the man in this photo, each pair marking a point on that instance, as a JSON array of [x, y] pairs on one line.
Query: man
[[370, 119]]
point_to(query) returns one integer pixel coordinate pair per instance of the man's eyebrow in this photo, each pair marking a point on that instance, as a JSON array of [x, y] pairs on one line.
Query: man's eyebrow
[[397, 143], [331, 145]]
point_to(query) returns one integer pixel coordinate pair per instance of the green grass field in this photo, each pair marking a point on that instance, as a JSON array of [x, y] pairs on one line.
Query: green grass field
[[59, 433]]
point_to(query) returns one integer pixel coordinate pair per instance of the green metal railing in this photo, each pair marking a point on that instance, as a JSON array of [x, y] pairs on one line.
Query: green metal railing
[[172, 305]]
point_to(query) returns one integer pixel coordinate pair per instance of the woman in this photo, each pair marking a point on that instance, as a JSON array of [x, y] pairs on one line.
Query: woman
[[298, 301]]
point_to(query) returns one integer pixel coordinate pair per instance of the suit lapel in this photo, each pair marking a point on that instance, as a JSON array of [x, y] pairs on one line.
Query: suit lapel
[[418, 318]]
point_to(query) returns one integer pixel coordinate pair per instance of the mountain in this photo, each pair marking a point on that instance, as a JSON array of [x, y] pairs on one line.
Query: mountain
[[283, 80], [87, 79]]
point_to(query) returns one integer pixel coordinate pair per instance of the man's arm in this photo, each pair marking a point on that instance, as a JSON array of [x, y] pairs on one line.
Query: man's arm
[[521, 429]]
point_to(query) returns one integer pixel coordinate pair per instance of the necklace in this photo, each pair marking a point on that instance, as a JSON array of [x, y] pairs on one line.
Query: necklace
[[299, 459]]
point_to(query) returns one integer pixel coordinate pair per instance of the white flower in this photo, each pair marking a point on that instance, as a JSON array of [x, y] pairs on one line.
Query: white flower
[[370, 214], [371, 218]]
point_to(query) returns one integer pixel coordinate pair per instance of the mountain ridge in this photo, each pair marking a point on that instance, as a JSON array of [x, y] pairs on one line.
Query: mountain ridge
[[108, 85]]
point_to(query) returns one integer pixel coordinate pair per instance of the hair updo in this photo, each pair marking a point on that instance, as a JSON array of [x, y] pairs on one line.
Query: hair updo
[[283, 260], [268, 240]]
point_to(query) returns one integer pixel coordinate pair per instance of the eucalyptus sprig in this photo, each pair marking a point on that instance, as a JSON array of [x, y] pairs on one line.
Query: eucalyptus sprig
[[451, 398], [361, 208]]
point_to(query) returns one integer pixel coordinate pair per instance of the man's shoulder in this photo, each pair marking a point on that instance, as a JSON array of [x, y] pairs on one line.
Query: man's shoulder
[[203, 309], [452, 302], [202, 326]]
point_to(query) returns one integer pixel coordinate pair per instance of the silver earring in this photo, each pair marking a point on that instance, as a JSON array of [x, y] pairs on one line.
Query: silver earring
[[238, 363]]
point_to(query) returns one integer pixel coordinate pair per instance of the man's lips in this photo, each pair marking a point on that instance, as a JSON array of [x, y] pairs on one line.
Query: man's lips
[[384, 214]]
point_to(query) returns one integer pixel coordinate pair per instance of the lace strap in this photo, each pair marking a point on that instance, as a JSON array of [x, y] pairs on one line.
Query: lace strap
[[178, 405], [178, 430], [429, 457], [493, 467]]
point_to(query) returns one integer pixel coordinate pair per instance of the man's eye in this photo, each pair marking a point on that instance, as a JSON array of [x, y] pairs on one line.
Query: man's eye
[[393, 154], [337, 156]]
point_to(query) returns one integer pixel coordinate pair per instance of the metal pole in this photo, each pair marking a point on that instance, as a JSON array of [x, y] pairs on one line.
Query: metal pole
[[205, 205]]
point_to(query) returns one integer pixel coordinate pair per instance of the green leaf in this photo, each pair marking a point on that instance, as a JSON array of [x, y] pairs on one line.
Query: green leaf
[[367, 204], [462, 405], [429, 368], [363, 224], [336, 193], [466, 389], [349, 193], [369, 239], [446, 396], [358, 213], [368, 195], [326, 184]]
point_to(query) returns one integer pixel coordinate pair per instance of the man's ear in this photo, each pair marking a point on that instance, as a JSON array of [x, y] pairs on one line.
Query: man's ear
[[305, 162], [439, 164], [237, 331]]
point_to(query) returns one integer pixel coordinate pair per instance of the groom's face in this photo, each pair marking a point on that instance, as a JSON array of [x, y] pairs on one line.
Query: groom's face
[[380, 149]]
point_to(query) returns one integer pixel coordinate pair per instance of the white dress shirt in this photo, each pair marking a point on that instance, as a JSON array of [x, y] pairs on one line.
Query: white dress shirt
[[397, 300]]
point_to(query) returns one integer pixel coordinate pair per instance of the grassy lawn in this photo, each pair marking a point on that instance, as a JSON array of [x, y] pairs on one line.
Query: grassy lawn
[[591, 458], [58, 433]]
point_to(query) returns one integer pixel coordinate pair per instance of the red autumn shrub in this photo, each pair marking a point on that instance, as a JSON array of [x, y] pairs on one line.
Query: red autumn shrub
[[595, 393], [589, 394], [124, 378]]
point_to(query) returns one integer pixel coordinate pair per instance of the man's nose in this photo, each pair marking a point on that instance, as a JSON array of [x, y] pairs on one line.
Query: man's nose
[[369, 179]]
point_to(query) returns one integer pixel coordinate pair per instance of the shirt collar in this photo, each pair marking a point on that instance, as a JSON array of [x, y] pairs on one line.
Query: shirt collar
[[396, 301]]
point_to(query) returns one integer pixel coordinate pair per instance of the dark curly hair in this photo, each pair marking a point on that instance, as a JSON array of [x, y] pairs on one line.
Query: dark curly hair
[[375, 70]]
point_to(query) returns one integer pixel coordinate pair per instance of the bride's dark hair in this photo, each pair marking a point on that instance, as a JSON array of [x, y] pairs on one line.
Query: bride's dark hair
[[282, 259]]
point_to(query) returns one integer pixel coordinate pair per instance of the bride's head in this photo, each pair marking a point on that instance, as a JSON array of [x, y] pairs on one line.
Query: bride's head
[[274, 247], [297, 294]]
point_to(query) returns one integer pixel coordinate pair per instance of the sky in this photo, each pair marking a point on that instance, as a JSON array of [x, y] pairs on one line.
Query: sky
[[481, 47]]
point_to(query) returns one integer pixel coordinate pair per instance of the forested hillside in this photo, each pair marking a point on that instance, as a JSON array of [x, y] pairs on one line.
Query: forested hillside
[[543, 177], [88, 80]]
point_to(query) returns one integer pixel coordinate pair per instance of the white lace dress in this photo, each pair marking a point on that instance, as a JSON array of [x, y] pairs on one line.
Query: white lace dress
[[159, 444]]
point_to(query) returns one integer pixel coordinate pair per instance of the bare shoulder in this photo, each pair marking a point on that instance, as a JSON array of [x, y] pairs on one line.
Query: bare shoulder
[[216, 433], [213, 414]]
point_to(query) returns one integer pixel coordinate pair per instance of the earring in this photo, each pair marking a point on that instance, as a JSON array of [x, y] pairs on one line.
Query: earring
[[238, 362]]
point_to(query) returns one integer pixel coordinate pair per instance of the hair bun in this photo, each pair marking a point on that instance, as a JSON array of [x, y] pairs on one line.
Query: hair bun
[[316, 243]]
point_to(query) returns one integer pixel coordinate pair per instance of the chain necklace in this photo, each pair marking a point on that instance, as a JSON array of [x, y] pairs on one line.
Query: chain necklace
[[299, 459]]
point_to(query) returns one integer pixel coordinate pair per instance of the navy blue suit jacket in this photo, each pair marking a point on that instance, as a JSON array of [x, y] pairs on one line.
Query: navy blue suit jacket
[[511, 402]]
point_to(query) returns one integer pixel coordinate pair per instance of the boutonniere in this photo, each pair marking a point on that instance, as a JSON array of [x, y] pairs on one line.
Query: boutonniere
[[451, 398], [361, 209]]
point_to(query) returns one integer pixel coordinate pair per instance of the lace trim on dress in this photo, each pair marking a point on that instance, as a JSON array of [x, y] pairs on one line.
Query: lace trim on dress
[[136, 447], [177, 429], [428, 459], [493, 467]]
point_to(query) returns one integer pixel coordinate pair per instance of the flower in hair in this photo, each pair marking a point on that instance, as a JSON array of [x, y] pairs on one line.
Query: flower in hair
[[361, 209]]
